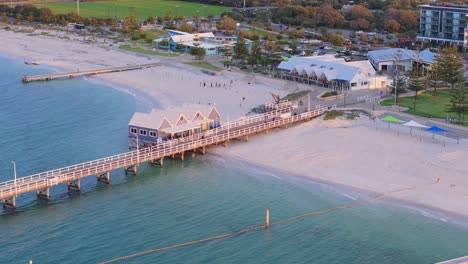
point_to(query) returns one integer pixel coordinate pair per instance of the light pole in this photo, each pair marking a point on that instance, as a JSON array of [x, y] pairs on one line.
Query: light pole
[[78, 7], [14, 173], [176, 13]]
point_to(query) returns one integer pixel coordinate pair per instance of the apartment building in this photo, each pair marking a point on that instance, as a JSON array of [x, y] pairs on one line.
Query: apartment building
[[443, 24]]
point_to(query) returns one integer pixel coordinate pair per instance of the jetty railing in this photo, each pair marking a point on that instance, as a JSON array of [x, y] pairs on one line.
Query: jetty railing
[[47, 77], [133, 158]]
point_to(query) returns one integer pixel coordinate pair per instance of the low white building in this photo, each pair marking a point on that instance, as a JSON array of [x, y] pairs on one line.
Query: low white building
[[398, 60], [333, 73]]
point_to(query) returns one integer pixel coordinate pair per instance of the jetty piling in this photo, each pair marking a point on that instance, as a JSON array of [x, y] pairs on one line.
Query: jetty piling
[[129, 161]]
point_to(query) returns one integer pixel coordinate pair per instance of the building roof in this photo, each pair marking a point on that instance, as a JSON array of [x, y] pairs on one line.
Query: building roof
[[332, 70], [426, 55], [155, 118], [144, 120], [185, 127], [391, 54]]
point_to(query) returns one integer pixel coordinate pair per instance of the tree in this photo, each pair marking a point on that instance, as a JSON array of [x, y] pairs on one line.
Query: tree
[[180, 46], [197, 51], [19, 18], [196, 18], [337, 39], [459, 99], [363, 38], [130, 24], [169, 20], [329, 16], [392, 26], [359, 11], [150, 20], [30, 17], [185, 27], [434, 77], [360, 23], [240, 50], [398, 84], [45, 15], [417, 80], [255, 54], [228, 24], [450, 65]]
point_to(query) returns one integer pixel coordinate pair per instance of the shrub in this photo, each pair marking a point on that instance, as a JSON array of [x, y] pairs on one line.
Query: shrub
[[328, 94], [333, 114]]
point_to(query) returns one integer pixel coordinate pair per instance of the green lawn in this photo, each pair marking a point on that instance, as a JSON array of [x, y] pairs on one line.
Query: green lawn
[[147, 52], [143, 8], [426, 104], [204, 65]]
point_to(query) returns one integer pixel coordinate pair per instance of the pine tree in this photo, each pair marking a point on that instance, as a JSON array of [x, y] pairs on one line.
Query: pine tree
[[417, 81], [240, 49], [434, 76], [255, 54], [398, 84], [450, 65], [459, 98], [198, 52]]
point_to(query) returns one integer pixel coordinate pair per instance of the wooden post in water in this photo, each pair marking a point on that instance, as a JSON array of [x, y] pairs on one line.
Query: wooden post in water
[[267, 220]]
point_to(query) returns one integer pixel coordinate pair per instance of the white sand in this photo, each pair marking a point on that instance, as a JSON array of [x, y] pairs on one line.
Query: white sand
[[174, 83], [355, 154], [345, 152]]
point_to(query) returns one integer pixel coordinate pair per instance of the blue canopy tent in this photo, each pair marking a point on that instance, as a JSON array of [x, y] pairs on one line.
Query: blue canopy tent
[[436, 129]]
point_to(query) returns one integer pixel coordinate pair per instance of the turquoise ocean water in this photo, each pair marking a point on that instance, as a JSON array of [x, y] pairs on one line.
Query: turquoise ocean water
[[54, 124]]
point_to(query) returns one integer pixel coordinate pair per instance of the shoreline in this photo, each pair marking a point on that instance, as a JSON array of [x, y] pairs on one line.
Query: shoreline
[[335, 187], [172, 90], [173, 83], [420, 198]]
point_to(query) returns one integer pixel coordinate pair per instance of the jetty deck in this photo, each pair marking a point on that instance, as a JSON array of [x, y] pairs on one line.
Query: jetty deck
[[71, 75], [129, 161]]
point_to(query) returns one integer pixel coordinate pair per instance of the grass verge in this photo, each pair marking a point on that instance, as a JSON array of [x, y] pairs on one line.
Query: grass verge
[[146, 52], [426, 104]]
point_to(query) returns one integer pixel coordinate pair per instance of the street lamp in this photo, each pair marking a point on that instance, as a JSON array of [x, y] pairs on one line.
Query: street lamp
[[14, 172]]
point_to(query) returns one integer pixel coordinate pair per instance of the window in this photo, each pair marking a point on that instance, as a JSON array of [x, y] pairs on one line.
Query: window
[[142, 132], [353, 84], [152, 134], [363, 83], [133, 130]]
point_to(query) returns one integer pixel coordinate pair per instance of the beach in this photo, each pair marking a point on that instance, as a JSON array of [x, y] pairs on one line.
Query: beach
[[354, 153], [172, 84], [370, 158]]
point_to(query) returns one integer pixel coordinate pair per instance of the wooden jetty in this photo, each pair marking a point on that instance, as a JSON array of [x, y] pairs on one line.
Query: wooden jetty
[[71, 75], [129, 161]]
